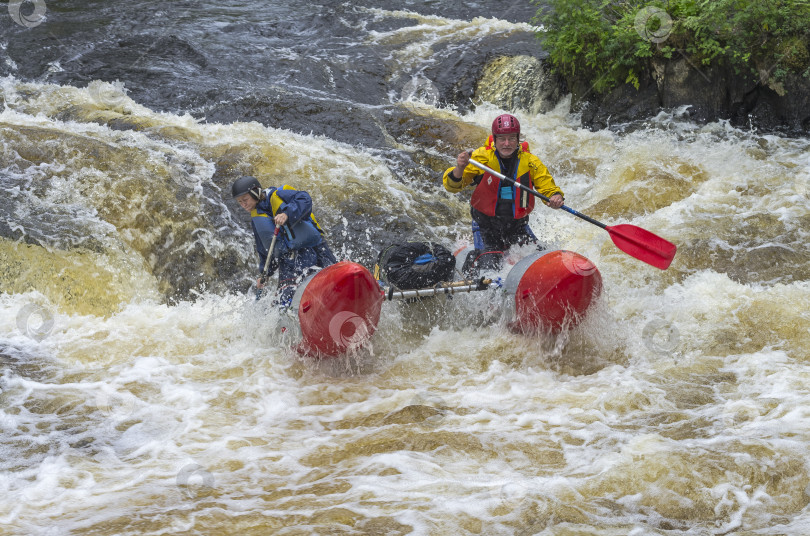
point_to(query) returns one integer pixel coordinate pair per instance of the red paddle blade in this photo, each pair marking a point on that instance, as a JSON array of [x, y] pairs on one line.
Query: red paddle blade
[[643, 245]]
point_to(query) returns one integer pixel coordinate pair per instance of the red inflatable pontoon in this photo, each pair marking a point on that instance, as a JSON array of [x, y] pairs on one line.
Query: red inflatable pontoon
[[338, 309], [551, 291]]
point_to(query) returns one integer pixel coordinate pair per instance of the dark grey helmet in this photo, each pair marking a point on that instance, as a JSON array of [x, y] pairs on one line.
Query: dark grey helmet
[[246, 184]]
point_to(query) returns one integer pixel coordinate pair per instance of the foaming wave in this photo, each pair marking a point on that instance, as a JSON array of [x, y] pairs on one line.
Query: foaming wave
[[414, 43]]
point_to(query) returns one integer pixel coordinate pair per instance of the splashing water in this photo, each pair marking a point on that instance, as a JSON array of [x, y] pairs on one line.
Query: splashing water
[[144, 390]]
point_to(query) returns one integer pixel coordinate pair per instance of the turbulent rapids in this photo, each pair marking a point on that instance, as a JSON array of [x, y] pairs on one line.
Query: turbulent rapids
[[145, 390]]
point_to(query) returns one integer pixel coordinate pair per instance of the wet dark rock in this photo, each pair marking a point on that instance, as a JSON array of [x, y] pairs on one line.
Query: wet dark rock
[[142, 61], [458, 69], [430, 132], [385, 228], [171, 47], [17, 361], [789, 112], [390, 24], [682, 83], [769, 263], [522, 84], [229, 167], [298, 113], [621, 106], [415, 413]]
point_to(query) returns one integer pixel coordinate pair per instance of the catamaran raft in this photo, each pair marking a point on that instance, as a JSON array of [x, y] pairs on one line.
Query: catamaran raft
[[337, 309]]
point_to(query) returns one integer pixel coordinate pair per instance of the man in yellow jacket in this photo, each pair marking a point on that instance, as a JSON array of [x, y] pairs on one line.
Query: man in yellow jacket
[[499, 209]]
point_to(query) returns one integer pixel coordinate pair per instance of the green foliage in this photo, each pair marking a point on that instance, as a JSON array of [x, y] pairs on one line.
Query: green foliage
[[611, 42]]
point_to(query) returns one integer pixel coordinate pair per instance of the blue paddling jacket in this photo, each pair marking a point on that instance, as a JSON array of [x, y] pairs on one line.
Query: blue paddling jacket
[[299, 233]]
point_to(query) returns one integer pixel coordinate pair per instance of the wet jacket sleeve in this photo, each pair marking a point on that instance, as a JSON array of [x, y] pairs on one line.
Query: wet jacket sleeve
[[297, 205], [470, 173], [542, 179]]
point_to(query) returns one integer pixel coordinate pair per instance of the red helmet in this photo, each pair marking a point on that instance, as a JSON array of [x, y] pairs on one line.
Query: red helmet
[[505, 124]]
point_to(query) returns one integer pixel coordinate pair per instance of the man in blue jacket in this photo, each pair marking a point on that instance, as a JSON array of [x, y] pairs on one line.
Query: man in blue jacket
[[300, 245]]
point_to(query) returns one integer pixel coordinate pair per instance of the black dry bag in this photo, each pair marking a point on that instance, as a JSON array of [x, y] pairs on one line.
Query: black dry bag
[[415, 265]]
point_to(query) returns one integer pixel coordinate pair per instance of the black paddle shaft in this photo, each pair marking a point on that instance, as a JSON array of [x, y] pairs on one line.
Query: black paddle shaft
[[535, 193]]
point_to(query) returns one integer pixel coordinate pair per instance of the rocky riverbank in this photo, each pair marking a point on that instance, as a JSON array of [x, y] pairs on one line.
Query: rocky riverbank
[[522, 80], [705, 94], [700, 94]]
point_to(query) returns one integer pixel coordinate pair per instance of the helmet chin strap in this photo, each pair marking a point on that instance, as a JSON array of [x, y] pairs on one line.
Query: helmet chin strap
[[256, 193]]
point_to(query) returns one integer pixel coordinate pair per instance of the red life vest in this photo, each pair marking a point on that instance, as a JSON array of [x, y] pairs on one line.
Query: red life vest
[[486, 194]]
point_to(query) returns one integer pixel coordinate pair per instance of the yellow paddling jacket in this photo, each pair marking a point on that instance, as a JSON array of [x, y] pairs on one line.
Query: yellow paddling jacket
[[529, 172]]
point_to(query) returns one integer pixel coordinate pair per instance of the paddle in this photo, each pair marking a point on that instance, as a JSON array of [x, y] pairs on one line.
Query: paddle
[[635, 241], [263, 277]]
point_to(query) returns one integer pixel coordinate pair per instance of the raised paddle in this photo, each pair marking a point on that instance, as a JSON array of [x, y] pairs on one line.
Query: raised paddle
[[263, 277], [635, 241]]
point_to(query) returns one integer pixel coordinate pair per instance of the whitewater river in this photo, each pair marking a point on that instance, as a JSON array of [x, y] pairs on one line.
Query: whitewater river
[[144, 391]]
